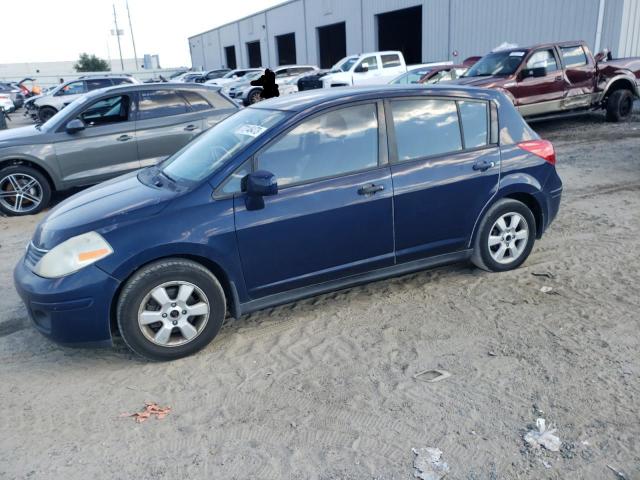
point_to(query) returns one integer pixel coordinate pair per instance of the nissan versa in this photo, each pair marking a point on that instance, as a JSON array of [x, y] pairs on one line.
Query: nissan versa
[[289, 198]]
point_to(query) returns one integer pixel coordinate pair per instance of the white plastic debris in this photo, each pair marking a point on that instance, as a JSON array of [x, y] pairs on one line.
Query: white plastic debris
[[428, 465], [545, 289], [543, 437]]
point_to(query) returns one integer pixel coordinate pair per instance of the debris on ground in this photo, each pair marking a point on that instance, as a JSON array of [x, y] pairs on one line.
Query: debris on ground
[[619, 473], [428, 465], [543, 274], [150, 409], [543, 437], [435, 375], [550, 290]]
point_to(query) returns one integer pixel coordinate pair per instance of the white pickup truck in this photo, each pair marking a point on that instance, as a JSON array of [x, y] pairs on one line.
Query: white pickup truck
[[375, 68]]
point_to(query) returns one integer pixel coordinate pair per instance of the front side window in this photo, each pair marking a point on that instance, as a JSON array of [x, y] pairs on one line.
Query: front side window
[[121, 81], [574, 56], [473, 115], [425, 127], [106, 111], [390, 60], [212, 149], [370, 62], [160, 103], [196, 101], [543, 59], [497, 63], [334, 143], [74, 88]]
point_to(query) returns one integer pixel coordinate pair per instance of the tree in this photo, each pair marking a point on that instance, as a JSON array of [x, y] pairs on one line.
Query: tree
[[91, 63]]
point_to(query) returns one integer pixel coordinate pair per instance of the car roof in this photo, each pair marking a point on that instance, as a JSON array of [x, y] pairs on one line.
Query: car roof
[[135, 87], [329, 96], [566, 43]]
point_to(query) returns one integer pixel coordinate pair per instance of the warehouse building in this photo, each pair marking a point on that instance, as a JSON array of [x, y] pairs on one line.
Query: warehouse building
[[320, 32]]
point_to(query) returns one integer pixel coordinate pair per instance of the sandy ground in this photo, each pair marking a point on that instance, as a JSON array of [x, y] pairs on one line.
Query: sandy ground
[[324, 388]]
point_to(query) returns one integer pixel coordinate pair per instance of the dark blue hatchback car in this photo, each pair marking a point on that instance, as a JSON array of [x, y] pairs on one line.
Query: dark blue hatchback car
[[286, 199]]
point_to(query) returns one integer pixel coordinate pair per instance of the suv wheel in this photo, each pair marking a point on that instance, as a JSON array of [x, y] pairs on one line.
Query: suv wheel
[[23, 191], [619, 106], [254, 97], [170, 309], [45, 113], [505, 236]]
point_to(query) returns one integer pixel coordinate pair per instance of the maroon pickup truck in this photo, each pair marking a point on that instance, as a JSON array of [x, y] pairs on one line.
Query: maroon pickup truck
[[559, 78]]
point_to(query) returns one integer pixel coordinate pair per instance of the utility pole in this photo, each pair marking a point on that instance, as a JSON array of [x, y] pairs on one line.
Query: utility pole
[[135, 54], [117, 34]]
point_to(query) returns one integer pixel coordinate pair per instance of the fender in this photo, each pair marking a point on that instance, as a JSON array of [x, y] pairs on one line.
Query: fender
[[9, 158], [623, 75], [510, 184]]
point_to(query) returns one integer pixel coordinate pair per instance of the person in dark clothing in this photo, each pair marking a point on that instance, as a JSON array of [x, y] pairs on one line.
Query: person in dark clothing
[[268, 83]]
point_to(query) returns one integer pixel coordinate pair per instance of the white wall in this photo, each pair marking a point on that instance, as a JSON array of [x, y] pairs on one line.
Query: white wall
[[287, 18]]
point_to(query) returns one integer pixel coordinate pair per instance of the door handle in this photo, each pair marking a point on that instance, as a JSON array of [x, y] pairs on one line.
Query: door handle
[[124, 138], [558, 78], [370, 189], [190, 128], [483, 165]]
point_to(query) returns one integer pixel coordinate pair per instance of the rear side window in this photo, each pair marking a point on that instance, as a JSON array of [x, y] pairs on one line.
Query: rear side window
[[97, 83], [120, 81], [196, 101], [74, 88], [574, 56], [425, 127], [160, 103], [327, 145], [390, 60], [474, 123], [543, 59]]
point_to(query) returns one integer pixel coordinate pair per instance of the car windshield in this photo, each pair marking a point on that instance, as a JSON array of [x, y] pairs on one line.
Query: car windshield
[[497, 63], [211, 150], [345, 64], [413, 76]]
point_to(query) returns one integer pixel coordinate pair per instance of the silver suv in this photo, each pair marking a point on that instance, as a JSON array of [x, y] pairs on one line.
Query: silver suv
[[50, 104], [101, 135]]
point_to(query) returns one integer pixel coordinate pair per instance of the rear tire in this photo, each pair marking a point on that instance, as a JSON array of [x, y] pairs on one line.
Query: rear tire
[[619, 106], [45, 113], [505, 237], [158, 322], [23, 191]]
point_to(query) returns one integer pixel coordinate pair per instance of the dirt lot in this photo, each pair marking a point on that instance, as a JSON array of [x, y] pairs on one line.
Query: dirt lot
[[324, 388]]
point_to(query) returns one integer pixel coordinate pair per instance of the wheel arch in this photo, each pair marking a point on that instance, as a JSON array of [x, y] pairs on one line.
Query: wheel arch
[[27, 162], [227, 284], [620, 82]]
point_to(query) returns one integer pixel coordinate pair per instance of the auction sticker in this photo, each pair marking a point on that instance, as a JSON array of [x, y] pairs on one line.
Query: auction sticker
[[516, 54], [250, 130]]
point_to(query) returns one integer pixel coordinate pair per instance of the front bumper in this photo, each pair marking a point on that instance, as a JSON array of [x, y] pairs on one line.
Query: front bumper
[[73, 310]]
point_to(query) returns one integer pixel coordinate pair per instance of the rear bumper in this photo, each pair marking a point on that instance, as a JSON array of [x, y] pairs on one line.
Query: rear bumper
[[73, 310]]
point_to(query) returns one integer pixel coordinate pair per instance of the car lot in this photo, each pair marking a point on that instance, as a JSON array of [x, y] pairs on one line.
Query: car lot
[[324, 388]]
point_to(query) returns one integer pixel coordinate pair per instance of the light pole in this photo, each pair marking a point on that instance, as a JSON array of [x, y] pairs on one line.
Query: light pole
[[133, 41], [117, 33]]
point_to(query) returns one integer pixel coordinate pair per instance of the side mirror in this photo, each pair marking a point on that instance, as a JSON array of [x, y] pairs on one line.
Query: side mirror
[[75, 125], [536, 72], [257, 185], [362, 68]]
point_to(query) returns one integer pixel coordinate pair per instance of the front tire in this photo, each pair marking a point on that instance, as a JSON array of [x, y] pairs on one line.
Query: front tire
[[505, 237], [23, 191], [254, 97], [619, 106], [170, 309], [45, 113]]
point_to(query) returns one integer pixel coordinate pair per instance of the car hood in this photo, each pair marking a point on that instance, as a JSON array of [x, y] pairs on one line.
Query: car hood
[[20, 136], [102, 208], [486, 82], [340, 76]]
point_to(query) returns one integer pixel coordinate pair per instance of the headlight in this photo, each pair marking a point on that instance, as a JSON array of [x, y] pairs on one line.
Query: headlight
[[73, 255]]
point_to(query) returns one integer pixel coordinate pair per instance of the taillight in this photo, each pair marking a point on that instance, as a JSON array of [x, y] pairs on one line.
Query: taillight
[[541, 148]]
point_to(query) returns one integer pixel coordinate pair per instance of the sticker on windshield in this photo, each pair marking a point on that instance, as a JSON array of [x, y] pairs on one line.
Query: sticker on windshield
[[516, 54], [250, 130]]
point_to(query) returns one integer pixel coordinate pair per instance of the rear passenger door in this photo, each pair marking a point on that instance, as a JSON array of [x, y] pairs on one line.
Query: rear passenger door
[[445, 168], [165, 123], [580, 76]]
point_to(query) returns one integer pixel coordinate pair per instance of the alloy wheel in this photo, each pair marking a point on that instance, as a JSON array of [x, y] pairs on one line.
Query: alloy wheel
[[508, 238], [173, 314], [20, 192]]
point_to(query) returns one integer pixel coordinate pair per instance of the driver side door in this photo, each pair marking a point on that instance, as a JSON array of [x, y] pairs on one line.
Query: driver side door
[[372, 73], [105, 148]]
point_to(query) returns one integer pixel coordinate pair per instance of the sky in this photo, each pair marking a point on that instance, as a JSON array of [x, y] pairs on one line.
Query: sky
[[50, 30]]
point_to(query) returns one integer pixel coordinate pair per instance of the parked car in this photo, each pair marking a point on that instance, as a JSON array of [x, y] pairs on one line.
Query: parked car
[[201, 76], [289, 198], [557, 78], [6, 103], [232, 76], [286, 75], [430, 74], [101, 135], [50, 104], [14, 93], [374, 68]]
